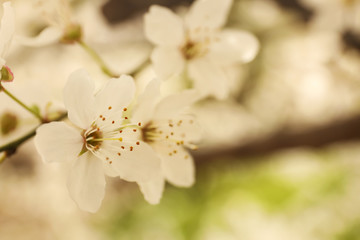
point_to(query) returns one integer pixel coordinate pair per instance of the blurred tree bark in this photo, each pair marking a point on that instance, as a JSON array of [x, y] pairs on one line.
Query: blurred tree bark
[[342, 131]]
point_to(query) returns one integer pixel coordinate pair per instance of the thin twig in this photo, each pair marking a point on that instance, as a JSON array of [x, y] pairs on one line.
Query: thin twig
[[11, 147]]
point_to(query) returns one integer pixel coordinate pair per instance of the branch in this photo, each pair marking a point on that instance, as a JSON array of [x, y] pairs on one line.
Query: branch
[[11, 147], [340, 131]]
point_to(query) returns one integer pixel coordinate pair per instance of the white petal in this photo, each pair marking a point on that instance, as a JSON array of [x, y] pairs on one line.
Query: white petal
[[117, 94], [167, 61], [178, 168], [163, 27], [234, 46], [153, 189], [7, 28], [86, 182], [49, 35], [57, 142], [146, 103], [139, 164], [209, 14], [209, 78], [174, 104], [79, 99]]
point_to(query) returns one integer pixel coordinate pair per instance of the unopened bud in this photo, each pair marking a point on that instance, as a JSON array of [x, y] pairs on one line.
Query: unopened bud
[[6, 74], [73, 33], [8, 122]]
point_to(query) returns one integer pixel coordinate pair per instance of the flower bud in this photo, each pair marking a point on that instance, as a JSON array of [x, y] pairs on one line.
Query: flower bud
[[6, 74], [8, 123]]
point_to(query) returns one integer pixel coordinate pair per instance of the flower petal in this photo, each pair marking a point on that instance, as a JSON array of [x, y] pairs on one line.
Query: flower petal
[[209, 78], [234, 46], [86, 182], [49, 35], [7, 28], [210, 14], [176, 163], [146, 103], [167, 62], [163, 27], [57, 142], [79, 99], [153, 189], [174, 104], [116, 94], [134, 163]]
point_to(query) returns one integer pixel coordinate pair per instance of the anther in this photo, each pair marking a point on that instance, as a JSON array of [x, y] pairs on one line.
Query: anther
[[126, 117], [122, 147], [107, 158], [110, 162], [139, 124], [119, 153], [131, 148], [103, 119], [125, 109], [113, 122], [120, 131], [137, 143], [134, 130], [109, 107], [120, 139]]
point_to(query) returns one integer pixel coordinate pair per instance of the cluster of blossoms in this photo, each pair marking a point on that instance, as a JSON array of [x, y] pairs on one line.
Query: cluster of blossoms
[[144, 144], [143, 139]]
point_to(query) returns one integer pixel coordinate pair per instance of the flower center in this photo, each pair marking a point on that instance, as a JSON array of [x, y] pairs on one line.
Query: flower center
[[92, 139], [72, 33], [192, 49], [170, 131]]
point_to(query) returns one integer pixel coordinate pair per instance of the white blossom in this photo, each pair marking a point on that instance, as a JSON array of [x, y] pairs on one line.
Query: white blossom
[[60, 25], [169, 130], [196, 43], [99, 140]]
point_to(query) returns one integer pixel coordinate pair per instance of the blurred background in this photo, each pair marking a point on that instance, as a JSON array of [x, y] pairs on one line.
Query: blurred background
[[279, 160]]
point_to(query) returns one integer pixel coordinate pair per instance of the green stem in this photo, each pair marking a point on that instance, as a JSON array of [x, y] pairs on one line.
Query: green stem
[[97, 59], [36, 114], [11, 147]]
